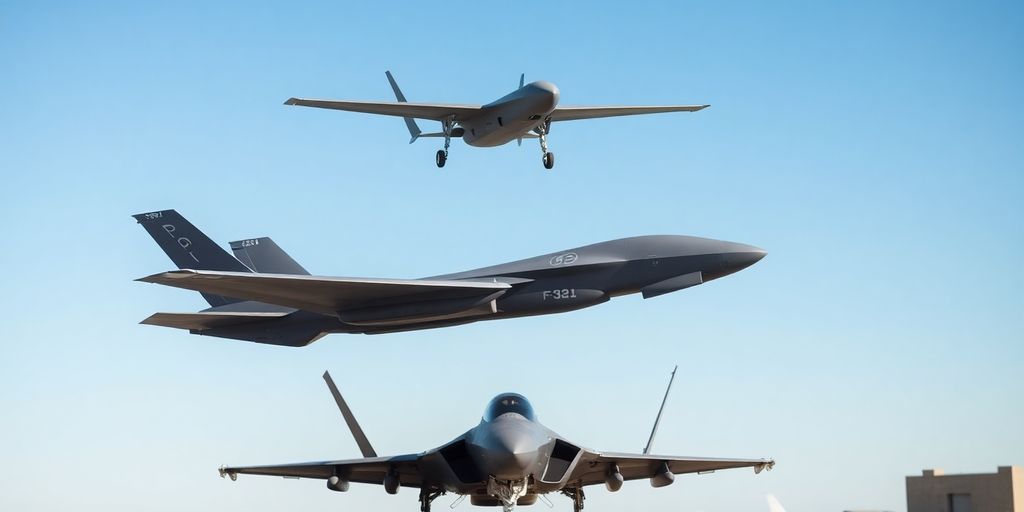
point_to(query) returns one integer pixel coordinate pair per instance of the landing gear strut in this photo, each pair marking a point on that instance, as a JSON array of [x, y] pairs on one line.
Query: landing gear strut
[[442, 154], [426, 497], [576, 493], [542, 134], [508, 492]]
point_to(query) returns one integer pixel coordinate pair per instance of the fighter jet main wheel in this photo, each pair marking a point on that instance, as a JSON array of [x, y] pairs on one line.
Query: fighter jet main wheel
[[441, 157], [549, 160]]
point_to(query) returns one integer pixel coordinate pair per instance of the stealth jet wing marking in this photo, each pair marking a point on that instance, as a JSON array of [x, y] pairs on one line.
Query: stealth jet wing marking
[[526, 112], [324, 295]]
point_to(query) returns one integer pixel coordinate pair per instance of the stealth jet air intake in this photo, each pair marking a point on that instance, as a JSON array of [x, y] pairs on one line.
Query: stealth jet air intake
[[261, 294]]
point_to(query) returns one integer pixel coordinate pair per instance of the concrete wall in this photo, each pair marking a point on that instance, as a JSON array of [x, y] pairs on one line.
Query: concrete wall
[[1002, 491]]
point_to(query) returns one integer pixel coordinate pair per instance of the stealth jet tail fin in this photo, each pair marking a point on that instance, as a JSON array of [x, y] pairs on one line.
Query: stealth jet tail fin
[[410, 123], [350, 419], [657, 420], [189, 248], [265, 256]]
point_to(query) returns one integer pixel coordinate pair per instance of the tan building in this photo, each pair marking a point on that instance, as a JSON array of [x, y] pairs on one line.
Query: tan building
[[935, 491]]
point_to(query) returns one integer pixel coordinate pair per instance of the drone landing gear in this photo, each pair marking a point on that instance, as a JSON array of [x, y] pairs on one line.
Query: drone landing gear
[[442, 154], [576, 493], [426, 497], [542, 134]]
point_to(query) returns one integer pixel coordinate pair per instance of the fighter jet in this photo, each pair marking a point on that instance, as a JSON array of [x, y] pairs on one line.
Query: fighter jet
[[264, 296], [508, 459], [526, 112]]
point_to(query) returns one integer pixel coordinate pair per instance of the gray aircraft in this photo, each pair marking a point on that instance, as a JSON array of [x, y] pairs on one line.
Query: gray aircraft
[[263, 295], [526, 112], [508, 459]]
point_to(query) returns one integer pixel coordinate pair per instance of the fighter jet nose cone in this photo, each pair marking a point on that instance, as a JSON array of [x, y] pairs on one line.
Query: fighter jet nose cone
[[508, 452], [743, 258]]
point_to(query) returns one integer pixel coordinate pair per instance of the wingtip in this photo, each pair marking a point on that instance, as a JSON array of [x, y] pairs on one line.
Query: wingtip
[[291, 101], [160, 277]]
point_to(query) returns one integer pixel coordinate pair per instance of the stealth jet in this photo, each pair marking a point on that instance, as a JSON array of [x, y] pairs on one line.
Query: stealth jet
[[508, 459], [262, 295], [526, 112]]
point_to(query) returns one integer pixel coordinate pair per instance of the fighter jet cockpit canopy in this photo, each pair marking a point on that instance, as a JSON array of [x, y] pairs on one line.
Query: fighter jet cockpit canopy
[[506, 403]]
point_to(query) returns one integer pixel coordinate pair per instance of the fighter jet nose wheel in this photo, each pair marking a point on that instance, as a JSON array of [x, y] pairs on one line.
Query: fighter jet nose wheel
[[442, 157], [549, 160]]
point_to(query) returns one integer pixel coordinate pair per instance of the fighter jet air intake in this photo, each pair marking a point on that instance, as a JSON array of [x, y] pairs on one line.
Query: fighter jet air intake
[[508, 459], [526, 112], [262, 295]]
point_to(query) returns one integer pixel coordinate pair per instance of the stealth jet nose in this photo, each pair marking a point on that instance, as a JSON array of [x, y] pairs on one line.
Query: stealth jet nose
[[735, 257], [506, 445]]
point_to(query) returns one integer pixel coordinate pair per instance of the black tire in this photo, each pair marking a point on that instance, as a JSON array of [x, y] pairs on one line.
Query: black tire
[[440, 158], [549, 160]]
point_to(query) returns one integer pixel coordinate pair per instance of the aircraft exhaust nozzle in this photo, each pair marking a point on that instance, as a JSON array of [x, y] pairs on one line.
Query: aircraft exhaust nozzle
[[613, 480], [335, 483], [663, 477]]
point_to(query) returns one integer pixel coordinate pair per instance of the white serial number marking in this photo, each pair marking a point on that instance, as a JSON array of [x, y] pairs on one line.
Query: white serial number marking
[[561, 294]]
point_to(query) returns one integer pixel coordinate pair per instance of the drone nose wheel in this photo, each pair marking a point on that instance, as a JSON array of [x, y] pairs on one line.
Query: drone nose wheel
[[549, 160], [441, 157]]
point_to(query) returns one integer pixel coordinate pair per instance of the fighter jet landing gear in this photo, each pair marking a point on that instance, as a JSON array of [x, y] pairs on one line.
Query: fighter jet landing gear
[[508, 492], [442, 154], [576, 493], [427, 496], [542, 135]]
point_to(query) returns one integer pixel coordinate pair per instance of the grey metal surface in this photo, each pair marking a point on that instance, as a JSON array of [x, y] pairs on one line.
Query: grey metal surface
[[552, 283], [264, 255], [522, 113], [350, 419], [508, 448]]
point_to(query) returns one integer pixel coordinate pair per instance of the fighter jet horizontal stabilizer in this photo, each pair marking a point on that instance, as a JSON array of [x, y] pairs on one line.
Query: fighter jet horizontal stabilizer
[[208, 320]]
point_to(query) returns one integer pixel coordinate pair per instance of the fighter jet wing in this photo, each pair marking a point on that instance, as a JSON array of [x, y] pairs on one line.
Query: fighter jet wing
[[434, 111], [330, 295], [369, 470], [574, 113], [594, 467]]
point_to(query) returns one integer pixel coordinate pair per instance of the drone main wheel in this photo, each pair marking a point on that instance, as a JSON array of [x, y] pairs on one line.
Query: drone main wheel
[[549, 160], [440, 158]]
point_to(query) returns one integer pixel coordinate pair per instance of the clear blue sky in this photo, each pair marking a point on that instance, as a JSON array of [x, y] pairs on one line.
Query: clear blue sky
[[874, 149]]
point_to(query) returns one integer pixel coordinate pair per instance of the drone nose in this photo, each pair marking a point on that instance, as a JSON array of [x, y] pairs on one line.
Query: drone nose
[[548, 91]]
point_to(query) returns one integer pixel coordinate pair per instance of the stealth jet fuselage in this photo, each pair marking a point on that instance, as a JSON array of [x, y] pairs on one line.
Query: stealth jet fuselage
[[266, 301]]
